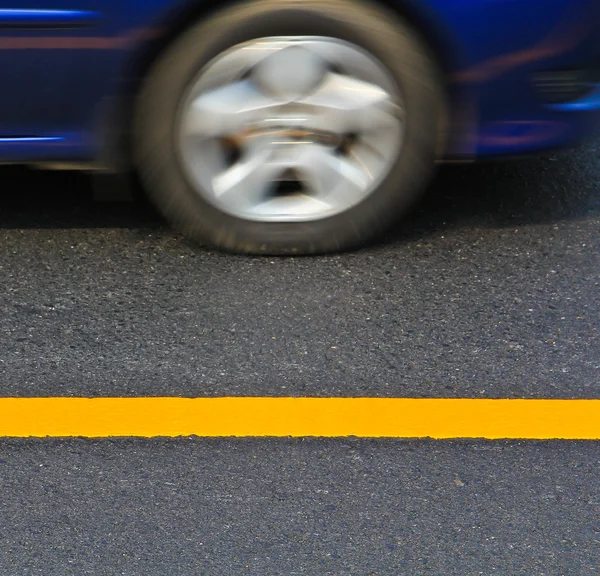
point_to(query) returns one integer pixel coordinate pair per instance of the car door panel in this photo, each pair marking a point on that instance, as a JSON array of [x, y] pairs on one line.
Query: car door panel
[[52, 54]]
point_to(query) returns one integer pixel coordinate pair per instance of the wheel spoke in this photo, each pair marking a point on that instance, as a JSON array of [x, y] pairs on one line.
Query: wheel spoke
[[344, 104], [226, 110], [367, 158], [379, 142], [235, 64], [330, 176], [290, 73], [247, 183]]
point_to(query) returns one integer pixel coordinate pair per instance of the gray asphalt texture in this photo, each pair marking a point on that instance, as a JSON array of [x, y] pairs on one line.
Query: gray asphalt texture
[[490, 288]]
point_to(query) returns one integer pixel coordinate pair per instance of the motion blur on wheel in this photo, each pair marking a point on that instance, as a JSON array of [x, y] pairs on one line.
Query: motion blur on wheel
[[292, 126]]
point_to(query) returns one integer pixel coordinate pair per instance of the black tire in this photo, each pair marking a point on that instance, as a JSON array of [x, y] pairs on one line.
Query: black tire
[[381, 32]]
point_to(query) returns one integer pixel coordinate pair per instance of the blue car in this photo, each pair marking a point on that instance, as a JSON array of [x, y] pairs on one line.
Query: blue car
[[292, 126]]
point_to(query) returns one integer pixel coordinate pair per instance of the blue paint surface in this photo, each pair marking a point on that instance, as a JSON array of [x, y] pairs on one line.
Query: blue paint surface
[[66, 66], [35, 18]]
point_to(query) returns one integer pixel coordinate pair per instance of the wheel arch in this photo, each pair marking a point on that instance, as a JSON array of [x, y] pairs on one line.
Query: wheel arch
[[169, 25]]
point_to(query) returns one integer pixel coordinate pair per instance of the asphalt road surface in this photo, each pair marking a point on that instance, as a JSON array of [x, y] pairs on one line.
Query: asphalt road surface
[[491, 288]]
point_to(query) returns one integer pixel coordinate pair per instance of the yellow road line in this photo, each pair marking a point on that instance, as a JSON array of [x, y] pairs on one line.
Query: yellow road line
[[330, 417]]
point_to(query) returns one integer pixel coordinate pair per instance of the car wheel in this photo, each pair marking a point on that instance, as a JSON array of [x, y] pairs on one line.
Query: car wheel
[[289, 127]]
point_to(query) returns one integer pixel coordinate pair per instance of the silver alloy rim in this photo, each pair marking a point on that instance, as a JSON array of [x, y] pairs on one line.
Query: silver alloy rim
[[290, 129]]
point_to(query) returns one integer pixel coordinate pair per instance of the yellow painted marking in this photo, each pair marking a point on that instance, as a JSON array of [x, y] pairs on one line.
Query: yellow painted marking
[[331, 417]]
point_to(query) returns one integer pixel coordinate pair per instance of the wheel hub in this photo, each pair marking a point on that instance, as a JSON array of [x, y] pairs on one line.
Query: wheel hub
[[319, 109]]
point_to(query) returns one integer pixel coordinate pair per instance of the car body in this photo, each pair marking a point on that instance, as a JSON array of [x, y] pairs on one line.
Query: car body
[[521, 76]]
